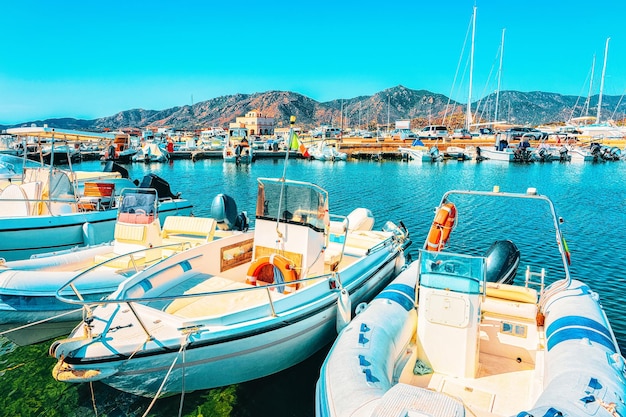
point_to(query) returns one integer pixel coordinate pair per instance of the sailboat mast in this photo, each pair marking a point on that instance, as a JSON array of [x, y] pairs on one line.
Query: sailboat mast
[[495, 116], [606, 52], [593, 68], [468, 116]]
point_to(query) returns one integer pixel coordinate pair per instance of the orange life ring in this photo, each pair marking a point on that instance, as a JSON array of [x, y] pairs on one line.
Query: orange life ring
[[255, 271], [441, 228]]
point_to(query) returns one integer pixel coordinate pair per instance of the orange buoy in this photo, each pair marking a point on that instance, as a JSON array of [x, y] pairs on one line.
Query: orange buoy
[[258, 271], [439, 233]]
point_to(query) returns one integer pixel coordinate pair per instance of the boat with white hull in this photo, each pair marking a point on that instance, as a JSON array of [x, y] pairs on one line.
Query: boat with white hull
[[150, 152], [442, 341], [238, 308], [322, 151], [28, 287], [421, 153], [237, 148], [49, 210]]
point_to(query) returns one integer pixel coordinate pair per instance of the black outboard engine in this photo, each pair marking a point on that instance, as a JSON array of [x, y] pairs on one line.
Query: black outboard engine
[[111, 166], [159, 184], [502, 262], [224, 211], [595, 149]]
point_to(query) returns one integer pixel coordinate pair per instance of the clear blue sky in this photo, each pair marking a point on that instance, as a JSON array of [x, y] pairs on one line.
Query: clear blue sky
[[89, 59]]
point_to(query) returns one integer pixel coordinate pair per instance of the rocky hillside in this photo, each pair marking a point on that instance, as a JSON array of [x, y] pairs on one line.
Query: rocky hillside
[[396, 103]]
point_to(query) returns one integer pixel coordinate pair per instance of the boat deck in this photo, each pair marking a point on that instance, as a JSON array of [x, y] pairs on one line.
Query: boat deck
[[510, 368]]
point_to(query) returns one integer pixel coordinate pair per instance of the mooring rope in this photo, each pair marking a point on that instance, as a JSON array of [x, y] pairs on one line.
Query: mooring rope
[[93, 399], [156, 396], [182, 389], [25, 326]]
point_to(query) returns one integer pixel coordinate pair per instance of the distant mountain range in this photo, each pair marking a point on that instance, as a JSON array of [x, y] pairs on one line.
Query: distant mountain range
[[397, 103]]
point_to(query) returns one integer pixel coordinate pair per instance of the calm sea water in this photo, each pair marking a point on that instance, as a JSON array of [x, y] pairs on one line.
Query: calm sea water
[[590, 197]]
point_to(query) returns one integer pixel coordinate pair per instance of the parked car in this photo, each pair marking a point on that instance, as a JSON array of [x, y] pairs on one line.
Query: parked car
[[526, 132], [461, 134], [433, 132]]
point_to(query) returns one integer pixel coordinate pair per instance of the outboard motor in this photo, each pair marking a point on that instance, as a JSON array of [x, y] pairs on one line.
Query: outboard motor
[[224, 211], [111, 166], [502, 262], [615, 153], [159, 184], [595, 149], [434, 153]]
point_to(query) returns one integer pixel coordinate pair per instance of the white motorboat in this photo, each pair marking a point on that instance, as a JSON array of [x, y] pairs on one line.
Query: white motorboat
[[579, 154], [421, 153], [150, 152], [547, 153], [28, 287], [458, 153], [237, 149], [322, 151], [48, 209], [238, 308], [441, 340], [503, 152]]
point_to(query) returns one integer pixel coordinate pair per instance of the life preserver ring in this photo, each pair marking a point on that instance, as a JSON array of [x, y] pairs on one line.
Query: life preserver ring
[[441, 228], [283, 264]]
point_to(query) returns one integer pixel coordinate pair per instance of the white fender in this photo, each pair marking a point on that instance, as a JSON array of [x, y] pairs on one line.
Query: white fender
[[344, 307]]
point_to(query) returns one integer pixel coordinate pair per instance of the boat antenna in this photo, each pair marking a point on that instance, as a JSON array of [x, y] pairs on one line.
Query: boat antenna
[[292, 121]]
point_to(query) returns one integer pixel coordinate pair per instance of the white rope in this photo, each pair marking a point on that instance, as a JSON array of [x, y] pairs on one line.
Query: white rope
[[156, 396], [182, 389], [39, 322], [93, 399]]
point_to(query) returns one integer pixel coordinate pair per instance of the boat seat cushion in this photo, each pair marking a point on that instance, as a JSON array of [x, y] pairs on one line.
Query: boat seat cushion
[[195, 230], [213, 305], [129, 233], [512, 292], [509, 308]]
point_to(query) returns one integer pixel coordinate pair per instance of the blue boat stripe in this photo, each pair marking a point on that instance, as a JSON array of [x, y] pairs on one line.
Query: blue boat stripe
[[403, 288], [401, 294], [577, 321], [577, 333]]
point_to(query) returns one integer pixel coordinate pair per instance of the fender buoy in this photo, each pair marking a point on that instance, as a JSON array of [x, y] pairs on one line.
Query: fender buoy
[[283, 264], [441, 228]]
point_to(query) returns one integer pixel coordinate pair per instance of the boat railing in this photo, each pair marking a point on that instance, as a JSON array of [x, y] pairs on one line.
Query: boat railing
[[138, 260], [271, 290], [531, 194]]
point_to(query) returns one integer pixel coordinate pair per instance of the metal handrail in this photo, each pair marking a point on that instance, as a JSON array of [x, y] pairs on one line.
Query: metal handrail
[[531, 194]]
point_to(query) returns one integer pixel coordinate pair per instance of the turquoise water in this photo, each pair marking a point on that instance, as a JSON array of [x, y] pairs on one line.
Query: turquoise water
[[590, 197]]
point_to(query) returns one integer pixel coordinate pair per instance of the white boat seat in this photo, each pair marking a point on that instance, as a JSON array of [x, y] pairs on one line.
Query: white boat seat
[[508, 301], [128, 238], [195, 230], [509, 309]]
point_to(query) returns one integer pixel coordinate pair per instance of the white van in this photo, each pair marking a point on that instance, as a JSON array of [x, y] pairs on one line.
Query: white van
[[433, 132]]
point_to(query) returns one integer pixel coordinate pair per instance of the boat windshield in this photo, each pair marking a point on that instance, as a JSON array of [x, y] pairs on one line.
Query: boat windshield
[[138, 201], [455, 272], [302, 203]]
